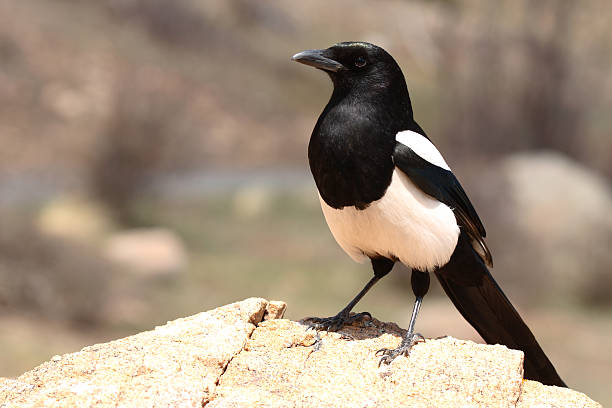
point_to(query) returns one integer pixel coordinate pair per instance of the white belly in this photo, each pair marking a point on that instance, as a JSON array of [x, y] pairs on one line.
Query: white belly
[[405, 224]]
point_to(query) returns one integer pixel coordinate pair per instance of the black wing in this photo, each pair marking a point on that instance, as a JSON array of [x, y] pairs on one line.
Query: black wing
[[444, 187]]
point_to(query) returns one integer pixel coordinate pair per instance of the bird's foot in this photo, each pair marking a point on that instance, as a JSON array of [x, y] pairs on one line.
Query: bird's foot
[[336, 322], [409, 340]]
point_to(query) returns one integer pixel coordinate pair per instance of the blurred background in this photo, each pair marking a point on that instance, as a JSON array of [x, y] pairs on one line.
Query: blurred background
[[153, 164]]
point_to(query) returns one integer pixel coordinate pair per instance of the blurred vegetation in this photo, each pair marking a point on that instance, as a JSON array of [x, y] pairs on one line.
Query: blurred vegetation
[[121, 115]]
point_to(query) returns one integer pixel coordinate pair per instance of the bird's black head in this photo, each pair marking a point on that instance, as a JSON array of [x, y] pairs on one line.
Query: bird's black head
[[355, 65], [363, 73]]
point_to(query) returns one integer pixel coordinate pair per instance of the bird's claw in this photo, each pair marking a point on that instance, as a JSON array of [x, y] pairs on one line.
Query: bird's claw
[[316, 346], [388, 355], [336, 322]]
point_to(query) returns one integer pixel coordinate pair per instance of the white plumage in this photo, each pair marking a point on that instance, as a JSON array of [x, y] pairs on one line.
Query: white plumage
[[405, 224], [423, 147]]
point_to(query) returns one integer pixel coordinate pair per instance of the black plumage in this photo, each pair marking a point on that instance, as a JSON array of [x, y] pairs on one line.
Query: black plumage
[[480, 300]]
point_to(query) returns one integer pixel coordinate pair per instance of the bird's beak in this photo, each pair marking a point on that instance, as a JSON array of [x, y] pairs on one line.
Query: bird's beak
[[317, 59]]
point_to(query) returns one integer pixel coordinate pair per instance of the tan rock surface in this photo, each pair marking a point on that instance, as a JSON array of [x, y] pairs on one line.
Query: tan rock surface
[[241, 355], [279, 368], [534, 394], [176, 365]]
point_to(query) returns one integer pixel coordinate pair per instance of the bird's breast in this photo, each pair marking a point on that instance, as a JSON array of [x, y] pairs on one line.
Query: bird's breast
[[404, 224], [353, 169]]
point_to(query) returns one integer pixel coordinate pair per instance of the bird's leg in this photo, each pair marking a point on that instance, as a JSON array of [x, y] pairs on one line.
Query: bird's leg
[[420, 286], [381, 266], [344, 317], [409, 340]]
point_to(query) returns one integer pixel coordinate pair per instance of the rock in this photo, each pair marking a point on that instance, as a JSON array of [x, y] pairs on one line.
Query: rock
[[279, 365], [75, 218], [534, 394], [275, 310], [12, 387], [557, 214], [150, 251], [557, 196], [174, 365], [233, 357]]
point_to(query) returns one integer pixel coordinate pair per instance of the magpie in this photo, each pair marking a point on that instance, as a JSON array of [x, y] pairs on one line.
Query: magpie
[[389, 196]]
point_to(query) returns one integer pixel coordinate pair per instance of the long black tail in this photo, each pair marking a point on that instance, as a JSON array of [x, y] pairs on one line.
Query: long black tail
[[469, 284]]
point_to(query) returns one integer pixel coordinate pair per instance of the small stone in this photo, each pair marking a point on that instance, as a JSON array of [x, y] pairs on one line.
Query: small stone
[[275, 310]]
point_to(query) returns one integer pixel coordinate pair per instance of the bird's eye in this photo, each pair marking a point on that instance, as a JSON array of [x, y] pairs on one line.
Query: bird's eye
[[360, 61]]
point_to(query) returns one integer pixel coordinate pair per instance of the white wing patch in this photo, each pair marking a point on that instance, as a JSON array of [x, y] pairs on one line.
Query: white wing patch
[[422, 147]]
